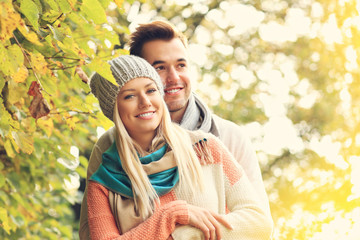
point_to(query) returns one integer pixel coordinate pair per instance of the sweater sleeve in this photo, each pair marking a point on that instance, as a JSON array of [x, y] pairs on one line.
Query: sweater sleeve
[[246, 213], [239, 145], [95, 160], [160, 225]]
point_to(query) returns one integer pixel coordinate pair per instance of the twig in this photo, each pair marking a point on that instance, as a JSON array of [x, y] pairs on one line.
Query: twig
[[37, 78]]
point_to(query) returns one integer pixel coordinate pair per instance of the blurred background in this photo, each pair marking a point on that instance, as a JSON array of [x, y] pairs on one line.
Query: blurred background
[[286, 71]]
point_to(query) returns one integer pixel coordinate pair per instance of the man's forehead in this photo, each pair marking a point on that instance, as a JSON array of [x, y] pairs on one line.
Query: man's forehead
[[164, 51]]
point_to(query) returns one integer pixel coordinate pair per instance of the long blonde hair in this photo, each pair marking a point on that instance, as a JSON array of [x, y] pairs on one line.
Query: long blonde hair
[[179, 142]]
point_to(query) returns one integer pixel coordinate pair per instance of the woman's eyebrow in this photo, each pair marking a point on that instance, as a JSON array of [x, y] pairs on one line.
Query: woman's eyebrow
[[133, 89]]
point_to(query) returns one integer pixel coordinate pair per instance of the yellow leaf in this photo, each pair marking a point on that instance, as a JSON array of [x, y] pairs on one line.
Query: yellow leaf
[[119, 3], [102, 68], [29, 35], [46, 124], [16, 92], [4, 220], [9, 20], [24, 141], [21, 75], [8, 148], [38, 63], [11, 58], [71, 122]]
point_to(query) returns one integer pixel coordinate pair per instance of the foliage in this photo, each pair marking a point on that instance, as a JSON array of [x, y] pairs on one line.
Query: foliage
[[46, 110], [297, 96]]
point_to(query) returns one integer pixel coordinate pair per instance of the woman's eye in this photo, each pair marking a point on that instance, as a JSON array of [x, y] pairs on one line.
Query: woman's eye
[[152, 90], [128, 96]]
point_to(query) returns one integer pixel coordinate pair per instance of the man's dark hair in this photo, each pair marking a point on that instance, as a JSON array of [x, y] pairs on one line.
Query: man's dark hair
[[157, 30]]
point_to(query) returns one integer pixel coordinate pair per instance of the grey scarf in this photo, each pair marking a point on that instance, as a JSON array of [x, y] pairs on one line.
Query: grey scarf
[[198, 116]]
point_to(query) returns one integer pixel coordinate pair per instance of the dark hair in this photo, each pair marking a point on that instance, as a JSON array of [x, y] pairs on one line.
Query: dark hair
[[153, 31]]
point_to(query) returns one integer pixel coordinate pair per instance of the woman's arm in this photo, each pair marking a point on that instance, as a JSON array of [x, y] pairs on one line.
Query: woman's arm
[[102, 224], [245, 215]]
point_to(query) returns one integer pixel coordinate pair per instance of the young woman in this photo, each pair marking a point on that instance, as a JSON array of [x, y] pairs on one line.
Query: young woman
[[159, 181]]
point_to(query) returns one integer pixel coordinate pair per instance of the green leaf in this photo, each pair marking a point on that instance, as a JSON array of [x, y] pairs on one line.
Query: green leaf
[[31, 12], [2, 180], [57, 34], [10, 59], [105, 3], [4, 220], [53, 4], [64, 6], [102, 68], [24, 141], [8, 148], [94, 11], [16, 55], [2, 83], [81, 171]]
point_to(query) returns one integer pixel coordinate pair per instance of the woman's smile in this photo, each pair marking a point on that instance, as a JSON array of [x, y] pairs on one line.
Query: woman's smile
[[140, 107]]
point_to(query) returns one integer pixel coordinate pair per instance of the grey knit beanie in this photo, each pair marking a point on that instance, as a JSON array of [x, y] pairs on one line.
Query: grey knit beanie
[[124, 69]]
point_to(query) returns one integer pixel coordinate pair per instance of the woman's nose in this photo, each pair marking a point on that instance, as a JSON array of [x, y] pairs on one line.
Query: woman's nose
[[144, 102]]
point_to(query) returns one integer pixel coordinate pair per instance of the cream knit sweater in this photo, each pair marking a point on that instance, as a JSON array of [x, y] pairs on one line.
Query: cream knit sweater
[[227, 192]]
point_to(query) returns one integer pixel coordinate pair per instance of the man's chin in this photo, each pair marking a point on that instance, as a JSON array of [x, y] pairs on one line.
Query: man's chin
[[176, 107]]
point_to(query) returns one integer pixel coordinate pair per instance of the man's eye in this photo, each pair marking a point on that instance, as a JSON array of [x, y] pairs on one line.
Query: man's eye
[[159, 68]]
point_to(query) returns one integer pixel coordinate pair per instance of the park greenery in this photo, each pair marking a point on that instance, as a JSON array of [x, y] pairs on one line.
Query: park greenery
[[287, 71]]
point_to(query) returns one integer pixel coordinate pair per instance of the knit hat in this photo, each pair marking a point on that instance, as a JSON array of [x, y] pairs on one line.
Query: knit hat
[[124, 69]]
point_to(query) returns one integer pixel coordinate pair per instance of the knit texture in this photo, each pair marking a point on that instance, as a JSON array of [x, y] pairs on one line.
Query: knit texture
[[111, 175], [227, 192], [124, 69]]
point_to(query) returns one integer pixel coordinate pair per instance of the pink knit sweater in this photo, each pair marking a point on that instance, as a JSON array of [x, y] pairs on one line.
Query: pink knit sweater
[[227, 192]]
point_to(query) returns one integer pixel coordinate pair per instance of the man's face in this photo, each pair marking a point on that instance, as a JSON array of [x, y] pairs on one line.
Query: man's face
[[170, 61]]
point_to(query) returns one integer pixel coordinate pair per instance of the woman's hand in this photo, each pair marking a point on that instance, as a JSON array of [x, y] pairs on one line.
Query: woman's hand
[[207, 221]]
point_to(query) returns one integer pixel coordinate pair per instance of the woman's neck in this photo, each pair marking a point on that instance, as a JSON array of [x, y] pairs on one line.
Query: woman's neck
[[144, 141]]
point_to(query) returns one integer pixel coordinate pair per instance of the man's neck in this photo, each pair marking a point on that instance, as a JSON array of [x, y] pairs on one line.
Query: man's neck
[[177, 116]]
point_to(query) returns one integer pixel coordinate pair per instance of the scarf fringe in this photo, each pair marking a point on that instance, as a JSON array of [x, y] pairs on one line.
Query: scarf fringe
[[202, 151]]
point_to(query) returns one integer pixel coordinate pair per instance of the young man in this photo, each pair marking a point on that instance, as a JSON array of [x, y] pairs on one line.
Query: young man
[[166, 50]]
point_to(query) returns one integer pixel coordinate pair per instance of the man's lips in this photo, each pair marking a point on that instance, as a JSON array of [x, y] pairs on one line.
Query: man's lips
[[172, 91]]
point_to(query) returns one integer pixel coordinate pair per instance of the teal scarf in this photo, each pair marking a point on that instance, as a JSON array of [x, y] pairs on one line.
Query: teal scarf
[[111, 175]]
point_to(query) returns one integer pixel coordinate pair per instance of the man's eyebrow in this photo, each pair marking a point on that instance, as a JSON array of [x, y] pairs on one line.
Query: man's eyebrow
[[157, 62], [161, 61]]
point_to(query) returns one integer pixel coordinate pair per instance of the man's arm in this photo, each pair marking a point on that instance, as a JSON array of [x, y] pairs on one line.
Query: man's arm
[[95, 160], [241, 148]]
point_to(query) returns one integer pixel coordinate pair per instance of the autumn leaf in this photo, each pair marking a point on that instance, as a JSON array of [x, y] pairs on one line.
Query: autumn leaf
[[9, 21], [21, 75], [119, 3], [82, 74], [39, 107], [34, 89], [38, 62]]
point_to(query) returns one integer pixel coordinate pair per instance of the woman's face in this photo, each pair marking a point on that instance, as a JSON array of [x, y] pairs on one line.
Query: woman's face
[[140, 106]]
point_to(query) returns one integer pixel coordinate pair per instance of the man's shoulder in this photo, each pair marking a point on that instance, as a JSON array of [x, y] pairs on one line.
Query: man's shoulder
[[229, 131], [224, 124]]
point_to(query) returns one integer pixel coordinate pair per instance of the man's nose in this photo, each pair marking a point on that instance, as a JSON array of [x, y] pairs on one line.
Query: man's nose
[[172, 76]]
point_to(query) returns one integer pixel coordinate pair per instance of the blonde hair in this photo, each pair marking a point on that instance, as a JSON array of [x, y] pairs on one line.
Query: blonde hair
[[178, 140]]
